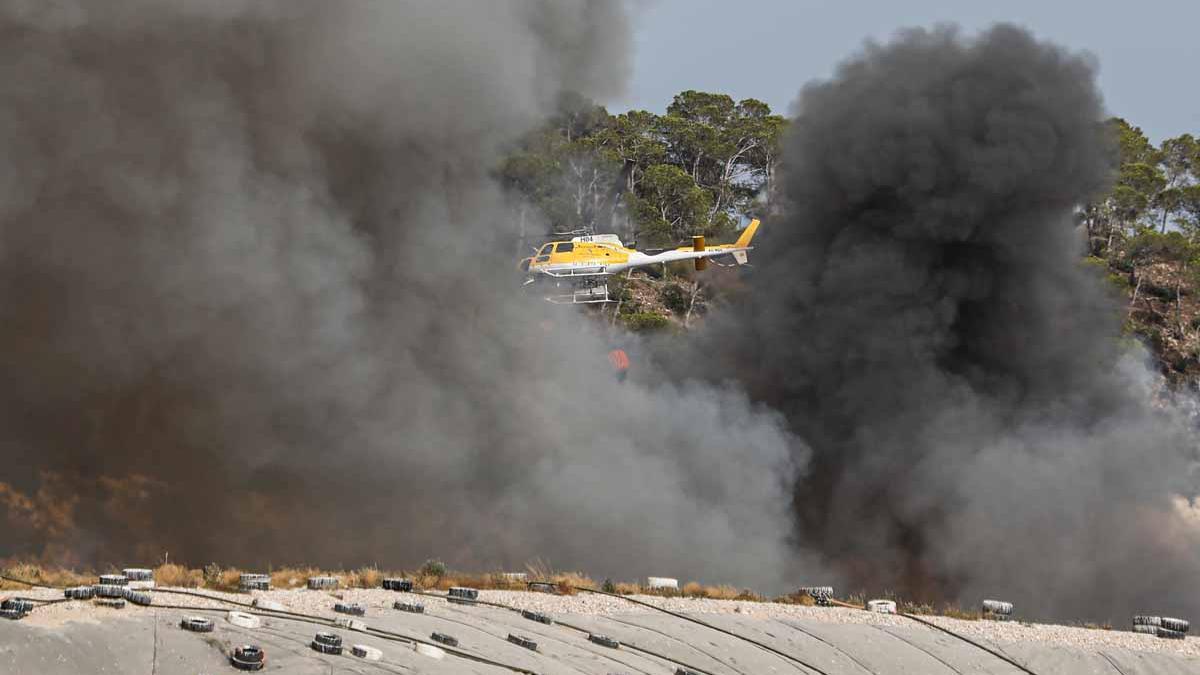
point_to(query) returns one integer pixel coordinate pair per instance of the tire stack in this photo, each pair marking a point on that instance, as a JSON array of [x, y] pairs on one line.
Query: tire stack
[[15, 608], [353, 609], [401, 585], [79, 593], [138, 598], [109, 591], [997, 610], [327, 643], [366, 652], [322, 583], [462, 596], [821, 594], [410, 607], [254, 582], [196, 624], [1161, 626], [113, 580], [448, 640], [139, 577]]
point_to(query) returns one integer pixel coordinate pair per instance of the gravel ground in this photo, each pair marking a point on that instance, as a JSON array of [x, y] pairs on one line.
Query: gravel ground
[[321, 603]]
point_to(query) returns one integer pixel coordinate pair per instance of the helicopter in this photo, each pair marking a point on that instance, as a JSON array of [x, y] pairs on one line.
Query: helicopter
[[583, 264]]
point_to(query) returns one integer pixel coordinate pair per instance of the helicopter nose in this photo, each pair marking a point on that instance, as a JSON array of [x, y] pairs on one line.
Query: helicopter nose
[[524, 266]]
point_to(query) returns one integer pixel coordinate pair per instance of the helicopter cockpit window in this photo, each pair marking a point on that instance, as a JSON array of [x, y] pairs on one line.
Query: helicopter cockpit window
[[565, 247], [544, 254]]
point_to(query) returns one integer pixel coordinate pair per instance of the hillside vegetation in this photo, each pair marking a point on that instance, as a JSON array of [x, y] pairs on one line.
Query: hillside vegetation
[[709, 163]]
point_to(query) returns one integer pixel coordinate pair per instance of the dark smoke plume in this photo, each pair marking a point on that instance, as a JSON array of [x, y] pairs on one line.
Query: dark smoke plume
[[923, 319], [258, 304]]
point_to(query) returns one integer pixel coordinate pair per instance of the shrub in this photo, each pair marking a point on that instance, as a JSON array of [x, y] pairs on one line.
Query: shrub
[[645, 322], [433, 568], [675, 298]]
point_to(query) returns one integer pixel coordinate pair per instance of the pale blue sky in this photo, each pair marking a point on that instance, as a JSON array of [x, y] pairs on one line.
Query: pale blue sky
[[1149, 51]]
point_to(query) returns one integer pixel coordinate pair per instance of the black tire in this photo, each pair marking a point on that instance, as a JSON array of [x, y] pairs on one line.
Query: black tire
[[685, 671], [113, 580], [255, 585], [352, 609], [401, 585], [136, 598], [1145, 620], [465, 593], [1145, 629], [11, 614], [109, 591], [817, 591], [248, 657], [329, 639], [1175, 624], [537, 616], [138, 574], [250, 654], [365, 652], [410, 607], [79, 593], [448, 640], [604, 641], [522, 641], [196, 624], [326, 649], [322, 583], [1169, 634], [21, 605], [114, 603]]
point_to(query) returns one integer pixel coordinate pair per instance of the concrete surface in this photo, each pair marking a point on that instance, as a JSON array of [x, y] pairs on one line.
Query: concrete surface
[[149, 640]]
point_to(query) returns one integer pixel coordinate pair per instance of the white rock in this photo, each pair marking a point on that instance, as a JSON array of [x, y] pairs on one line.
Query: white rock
[[429, 650], [263, 603], [352, 624], [243, 620]]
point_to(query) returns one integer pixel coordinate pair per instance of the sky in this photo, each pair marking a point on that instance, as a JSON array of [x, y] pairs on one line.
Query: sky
[[1148, 52]]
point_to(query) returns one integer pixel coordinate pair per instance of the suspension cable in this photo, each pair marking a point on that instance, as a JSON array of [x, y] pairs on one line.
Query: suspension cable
[[761, 645], [947, 631]]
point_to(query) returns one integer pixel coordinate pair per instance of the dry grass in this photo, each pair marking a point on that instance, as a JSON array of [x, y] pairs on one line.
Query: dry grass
[[437, 577], [48, 577], [796, 599], [177, 575], [293, 577], [719, 592]]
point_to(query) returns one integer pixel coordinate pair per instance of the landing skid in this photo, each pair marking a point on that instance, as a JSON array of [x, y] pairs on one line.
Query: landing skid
[[582, 296], [582, 291]]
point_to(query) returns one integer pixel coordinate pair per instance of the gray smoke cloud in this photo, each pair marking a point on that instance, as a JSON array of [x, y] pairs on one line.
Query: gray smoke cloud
[[978, 426], [258, 304]]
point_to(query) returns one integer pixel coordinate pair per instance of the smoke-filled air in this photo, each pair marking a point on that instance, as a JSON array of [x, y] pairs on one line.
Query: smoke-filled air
[[923, 318], [259, 305]]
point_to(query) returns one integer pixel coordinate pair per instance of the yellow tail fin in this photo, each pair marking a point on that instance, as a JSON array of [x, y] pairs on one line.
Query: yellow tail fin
[[747, 234]]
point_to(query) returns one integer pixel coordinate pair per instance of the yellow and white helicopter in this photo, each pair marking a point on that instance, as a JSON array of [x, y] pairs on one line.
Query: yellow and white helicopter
[[584, 263]]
